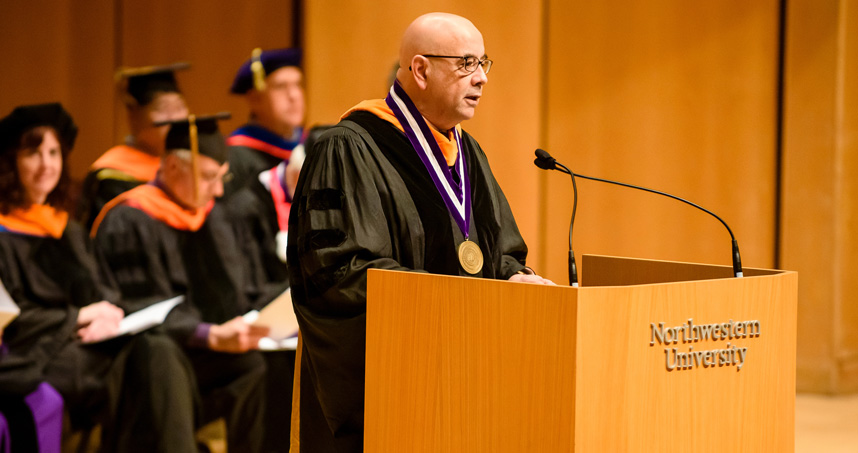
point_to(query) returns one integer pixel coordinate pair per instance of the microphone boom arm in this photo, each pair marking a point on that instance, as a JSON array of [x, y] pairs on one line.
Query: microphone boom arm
[[546, 162]]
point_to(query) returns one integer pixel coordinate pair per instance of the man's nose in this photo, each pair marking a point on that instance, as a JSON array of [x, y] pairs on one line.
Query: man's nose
[[480, 77]]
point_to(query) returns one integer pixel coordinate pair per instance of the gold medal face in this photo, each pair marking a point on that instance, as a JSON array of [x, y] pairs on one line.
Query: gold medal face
[[470, 257]]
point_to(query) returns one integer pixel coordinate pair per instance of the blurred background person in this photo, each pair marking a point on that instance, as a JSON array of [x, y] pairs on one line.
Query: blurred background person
[[150, 94], [272, 82], [266, 155], [170, 238]]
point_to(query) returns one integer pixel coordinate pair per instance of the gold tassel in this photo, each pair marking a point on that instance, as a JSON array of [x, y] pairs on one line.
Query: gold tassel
[[195, 151], [258, 69]]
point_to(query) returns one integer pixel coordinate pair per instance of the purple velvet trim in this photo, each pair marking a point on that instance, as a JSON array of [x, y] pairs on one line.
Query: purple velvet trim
[[4, 435], [200, 338], [46, 405]]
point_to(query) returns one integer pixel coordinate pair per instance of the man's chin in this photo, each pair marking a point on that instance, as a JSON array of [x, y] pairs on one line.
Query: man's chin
[[467, 113], [291, 121]]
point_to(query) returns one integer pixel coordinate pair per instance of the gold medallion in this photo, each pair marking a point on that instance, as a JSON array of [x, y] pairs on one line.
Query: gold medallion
[[470, 257]]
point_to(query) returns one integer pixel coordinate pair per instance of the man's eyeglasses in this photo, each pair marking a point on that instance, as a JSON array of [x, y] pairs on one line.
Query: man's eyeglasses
[[468, 64]]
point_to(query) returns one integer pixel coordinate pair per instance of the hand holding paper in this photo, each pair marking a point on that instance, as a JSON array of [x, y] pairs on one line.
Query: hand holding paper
[[235, 336], [279, 317], [8, 309], [141, 320]]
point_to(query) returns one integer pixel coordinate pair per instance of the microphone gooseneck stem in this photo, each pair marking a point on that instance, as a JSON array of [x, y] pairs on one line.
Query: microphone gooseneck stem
[[737, 260], [573, 270], [572, 267]]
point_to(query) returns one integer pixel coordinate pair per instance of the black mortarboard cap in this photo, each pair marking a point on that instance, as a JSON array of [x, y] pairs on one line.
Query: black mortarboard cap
[[143, 83], [271, 61], [209, 139], [27, 117]]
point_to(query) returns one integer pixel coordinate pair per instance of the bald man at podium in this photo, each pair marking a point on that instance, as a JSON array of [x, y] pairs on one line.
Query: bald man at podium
[[397, 184]]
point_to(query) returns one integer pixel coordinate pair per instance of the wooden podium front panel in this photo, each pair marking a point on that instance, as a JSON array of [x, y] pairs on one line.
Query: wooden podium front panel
[[468, 365], [628, 401]]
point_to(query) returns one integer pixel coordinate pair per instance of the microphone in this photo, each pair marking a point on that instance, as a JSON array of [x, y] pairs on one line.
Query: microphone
[[546, 162]]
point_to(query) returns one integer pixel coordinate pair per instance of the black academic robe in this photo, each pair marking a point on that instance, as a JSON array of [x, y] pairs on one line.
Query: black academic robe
[[254, 218], [365, 200], [151, 261], [250, 206], [50, 279], [251, 209], [245, 164], [253, 214]]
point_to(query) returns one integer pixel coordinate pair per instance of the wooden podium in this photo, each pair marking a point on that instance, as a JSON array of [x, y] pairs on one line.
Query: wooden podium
[[647, 356]]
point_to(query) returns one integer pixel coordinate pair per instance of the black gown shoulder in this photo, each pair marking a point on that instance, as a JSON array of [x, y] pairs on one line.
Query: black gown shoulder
[[245, 164], [49, 279], [98, 188]]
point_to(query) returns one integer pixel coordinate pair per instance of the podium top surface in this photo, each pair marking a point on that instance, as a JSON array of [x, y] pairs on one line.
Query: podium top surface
[[599, 270]]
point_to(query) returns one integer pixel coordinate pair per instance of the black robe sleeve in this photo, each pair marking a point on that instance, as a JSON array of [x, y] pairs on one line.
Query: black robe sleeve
[[96, 191], [144, 260], [245, 164], [253, 217], [49, 279], [344, 222]]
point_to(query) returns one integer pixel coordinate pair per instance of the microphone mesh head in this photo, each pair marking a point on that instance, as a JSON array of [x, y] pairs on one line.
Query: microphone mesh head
[[544, 160]]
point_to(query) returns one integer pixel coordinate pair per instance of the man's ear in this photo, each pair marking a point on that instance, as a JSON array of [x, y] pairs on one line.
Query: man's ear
[[169, 164], [420, 71]]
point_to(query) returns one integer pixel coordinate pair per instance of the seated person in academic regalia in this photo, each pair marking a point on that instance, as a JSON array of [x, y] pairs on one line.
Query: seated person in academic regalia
[[260, 215], [260, 212], [272, 83], [48, 267], [265, 158], [170, 238], [150, 94]]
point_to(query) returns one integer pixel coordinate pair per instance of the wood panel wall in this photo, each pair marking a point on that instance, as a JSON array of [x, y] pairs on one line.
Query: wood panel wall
[[62, 51], [679, 97], [68, 51], [820, 196]]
